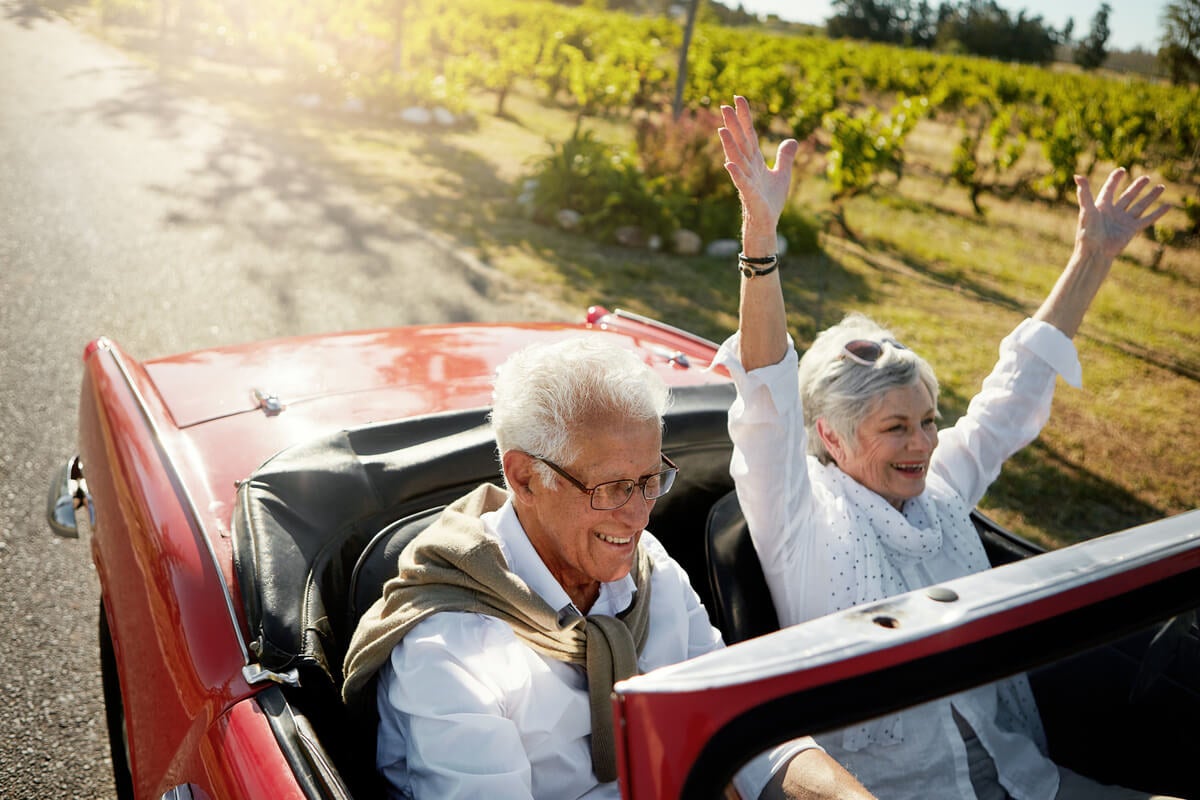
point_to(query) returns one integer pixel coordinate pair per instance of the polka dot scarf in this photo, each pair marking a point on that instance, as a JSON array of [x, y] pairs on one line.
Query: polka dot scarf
[[898, 552]]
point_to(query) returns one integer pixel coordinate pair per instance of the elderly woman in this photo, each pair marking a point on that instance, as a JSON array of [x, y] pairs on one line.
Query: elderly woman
[[852, 494]]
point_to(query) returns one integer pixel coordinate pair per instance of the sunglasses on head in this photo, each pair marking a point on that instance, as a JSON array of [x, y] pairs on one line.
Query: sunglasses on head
[[866, 351]]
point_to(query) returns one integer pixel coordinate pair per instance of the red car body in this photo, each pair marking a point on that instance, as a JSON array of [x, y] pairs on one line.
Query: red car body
[[194, 711]]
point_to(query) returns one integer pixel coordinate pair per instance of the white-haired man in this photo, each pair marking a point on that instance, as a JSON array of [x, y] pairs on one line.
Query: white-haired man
[[498, 643]]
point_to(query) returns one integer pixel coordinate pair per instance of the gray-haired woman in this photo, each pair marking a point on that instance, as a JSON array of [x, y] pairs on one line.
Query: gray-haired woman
[[852, 493]]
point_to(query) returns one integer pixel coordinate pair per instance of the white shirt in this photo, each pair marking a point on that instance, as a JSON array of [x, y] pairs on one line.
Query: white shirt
[[468, 710], [818, 536]]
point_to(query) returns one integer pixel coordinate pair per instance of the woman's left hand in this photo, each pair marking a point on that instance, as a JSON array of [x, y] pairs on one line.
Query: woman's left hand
[[1107, 225]]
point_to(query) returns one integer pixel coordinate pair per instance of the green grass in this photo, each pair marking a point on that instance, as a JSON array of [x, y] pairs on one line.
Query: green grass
[[951, 285]]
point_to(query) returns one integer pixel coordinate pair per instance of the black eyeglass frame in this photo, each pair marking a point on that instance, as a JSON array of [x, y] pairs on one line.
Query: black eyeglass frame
[[866, 351], [667, 482]]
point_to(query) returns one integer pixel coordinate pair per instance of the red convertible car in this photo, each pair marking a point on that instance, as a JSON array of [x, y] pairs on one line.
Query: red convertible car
[[244, 506]]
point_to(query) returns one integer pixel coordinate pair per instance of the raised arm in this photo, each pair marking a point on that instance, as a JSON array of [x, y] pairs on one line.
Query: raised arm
[[764, 193], [1105, 228]]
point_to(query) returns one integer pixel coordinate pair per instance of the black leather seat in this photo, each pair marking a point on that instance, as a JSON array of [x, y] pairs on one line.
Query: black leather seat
[[741, 603], [742, 606], [377, 563]]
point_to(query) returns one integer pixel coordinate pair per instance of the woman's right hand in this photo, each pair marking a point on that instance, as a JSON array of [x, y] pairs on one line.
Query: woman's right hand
[[763, 190], [764, 193]]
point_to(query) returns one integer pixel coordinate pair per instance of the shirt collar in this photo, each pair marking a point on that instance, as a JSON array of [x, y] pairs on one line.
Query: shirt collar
[[524, 561]]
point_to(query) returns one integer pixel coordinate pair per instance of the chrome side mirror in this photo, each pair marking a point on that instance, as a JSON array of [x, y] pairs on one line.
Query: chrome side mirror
[[67, 500]]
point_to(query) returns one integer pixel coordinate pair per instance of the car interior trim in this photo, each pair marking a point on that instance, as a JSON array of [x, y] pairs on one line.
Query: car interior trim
[[855, 699], [315, 773]]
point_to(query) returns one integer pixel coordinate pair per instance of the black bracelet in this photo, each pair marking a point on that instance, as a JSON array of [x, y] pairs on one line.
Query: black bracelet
[[747, 265], [750, 272]]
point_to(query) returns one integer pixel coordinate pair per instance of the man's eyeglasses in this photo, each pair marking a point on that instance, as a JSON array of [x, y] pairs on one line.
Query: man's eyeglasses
[[866, 351], [611, 495]]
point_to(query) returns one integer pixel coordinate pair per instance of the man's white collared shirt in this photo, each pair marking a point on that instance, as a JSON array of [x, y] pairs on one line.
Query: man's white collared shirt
[[468, 710]]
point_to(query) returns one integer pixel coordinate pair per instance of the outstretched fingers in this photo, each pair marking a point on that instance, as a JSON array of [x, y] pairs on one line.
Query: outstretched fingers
[[1109, 190], [1083, 188], [1133, 202], [1138, 207], [735, 159], [763, 189], [785, 155], [745, 117], [738, 136]]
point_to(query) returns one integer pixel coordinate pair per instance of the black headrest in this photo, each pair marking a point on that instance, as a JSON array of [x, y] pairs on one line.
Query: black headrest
[[377, 564], [742, 606]]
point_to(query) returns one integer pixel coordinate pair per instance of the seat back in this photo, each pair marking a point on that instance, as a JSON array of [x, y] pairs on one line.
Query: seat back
[[741, 603], [377, 563]]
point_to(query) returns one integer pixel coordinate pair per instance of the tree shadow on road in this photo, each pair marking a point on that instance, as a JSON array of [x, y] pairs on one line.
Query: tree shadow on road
[[27, 12]]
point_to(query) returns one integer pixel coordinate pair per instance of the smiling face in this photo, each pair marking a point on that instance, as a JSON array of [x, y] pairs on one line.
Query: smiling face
[[891, 449], [583, 547]]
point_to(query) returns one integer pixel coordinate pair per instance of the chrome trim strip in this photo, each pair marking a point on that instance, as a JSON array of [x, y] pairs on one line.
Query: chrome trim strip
[[181, 792], [630, 315], [105, 345]]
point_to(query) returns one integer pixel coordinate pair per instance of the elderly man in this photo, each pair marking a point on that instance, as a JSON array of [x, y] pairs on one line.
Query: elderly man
[[497, 645]]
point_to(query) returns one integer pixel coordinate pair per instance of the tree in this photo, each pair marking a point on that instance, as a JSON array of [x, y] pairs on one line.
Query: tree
[[874, 20], [1180, 50], [983, 28], [681, 76], [1093, 49], [922, 29], [980, 27]]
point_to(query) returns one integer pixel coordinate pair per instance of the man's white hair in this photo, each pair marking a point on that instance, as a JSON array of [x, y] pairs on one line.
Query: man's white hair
[[843, 392], [544, 392]]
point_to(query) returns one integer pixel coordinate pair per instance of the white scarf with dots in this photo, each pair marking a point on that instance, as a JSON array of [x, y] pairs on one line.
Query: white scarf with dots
[[936, 521]]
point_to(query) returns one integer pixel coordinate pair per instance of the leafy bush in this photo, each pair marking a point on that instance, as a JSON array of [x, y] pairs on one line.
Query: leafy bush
[[681, 183], [861, 147], [1063, 147], [682, 159], [800, 230], [1191, 209], [607, 189], [812, 108]]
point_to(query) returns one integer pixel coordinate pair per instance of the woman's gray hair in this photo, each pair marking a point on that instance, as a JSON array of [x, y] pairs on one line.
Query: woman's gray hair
[[842, 391], [544, 392]]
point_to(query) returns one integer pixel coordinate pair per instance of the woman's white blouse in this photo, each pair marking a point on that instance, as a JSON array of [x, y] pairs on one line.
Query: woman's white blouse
[[826, 543], [469, 710]]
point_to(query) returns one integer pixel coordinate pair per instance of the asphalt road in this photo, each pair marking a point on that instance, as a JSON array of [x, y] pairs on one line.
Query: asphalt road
[[130, 211]]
